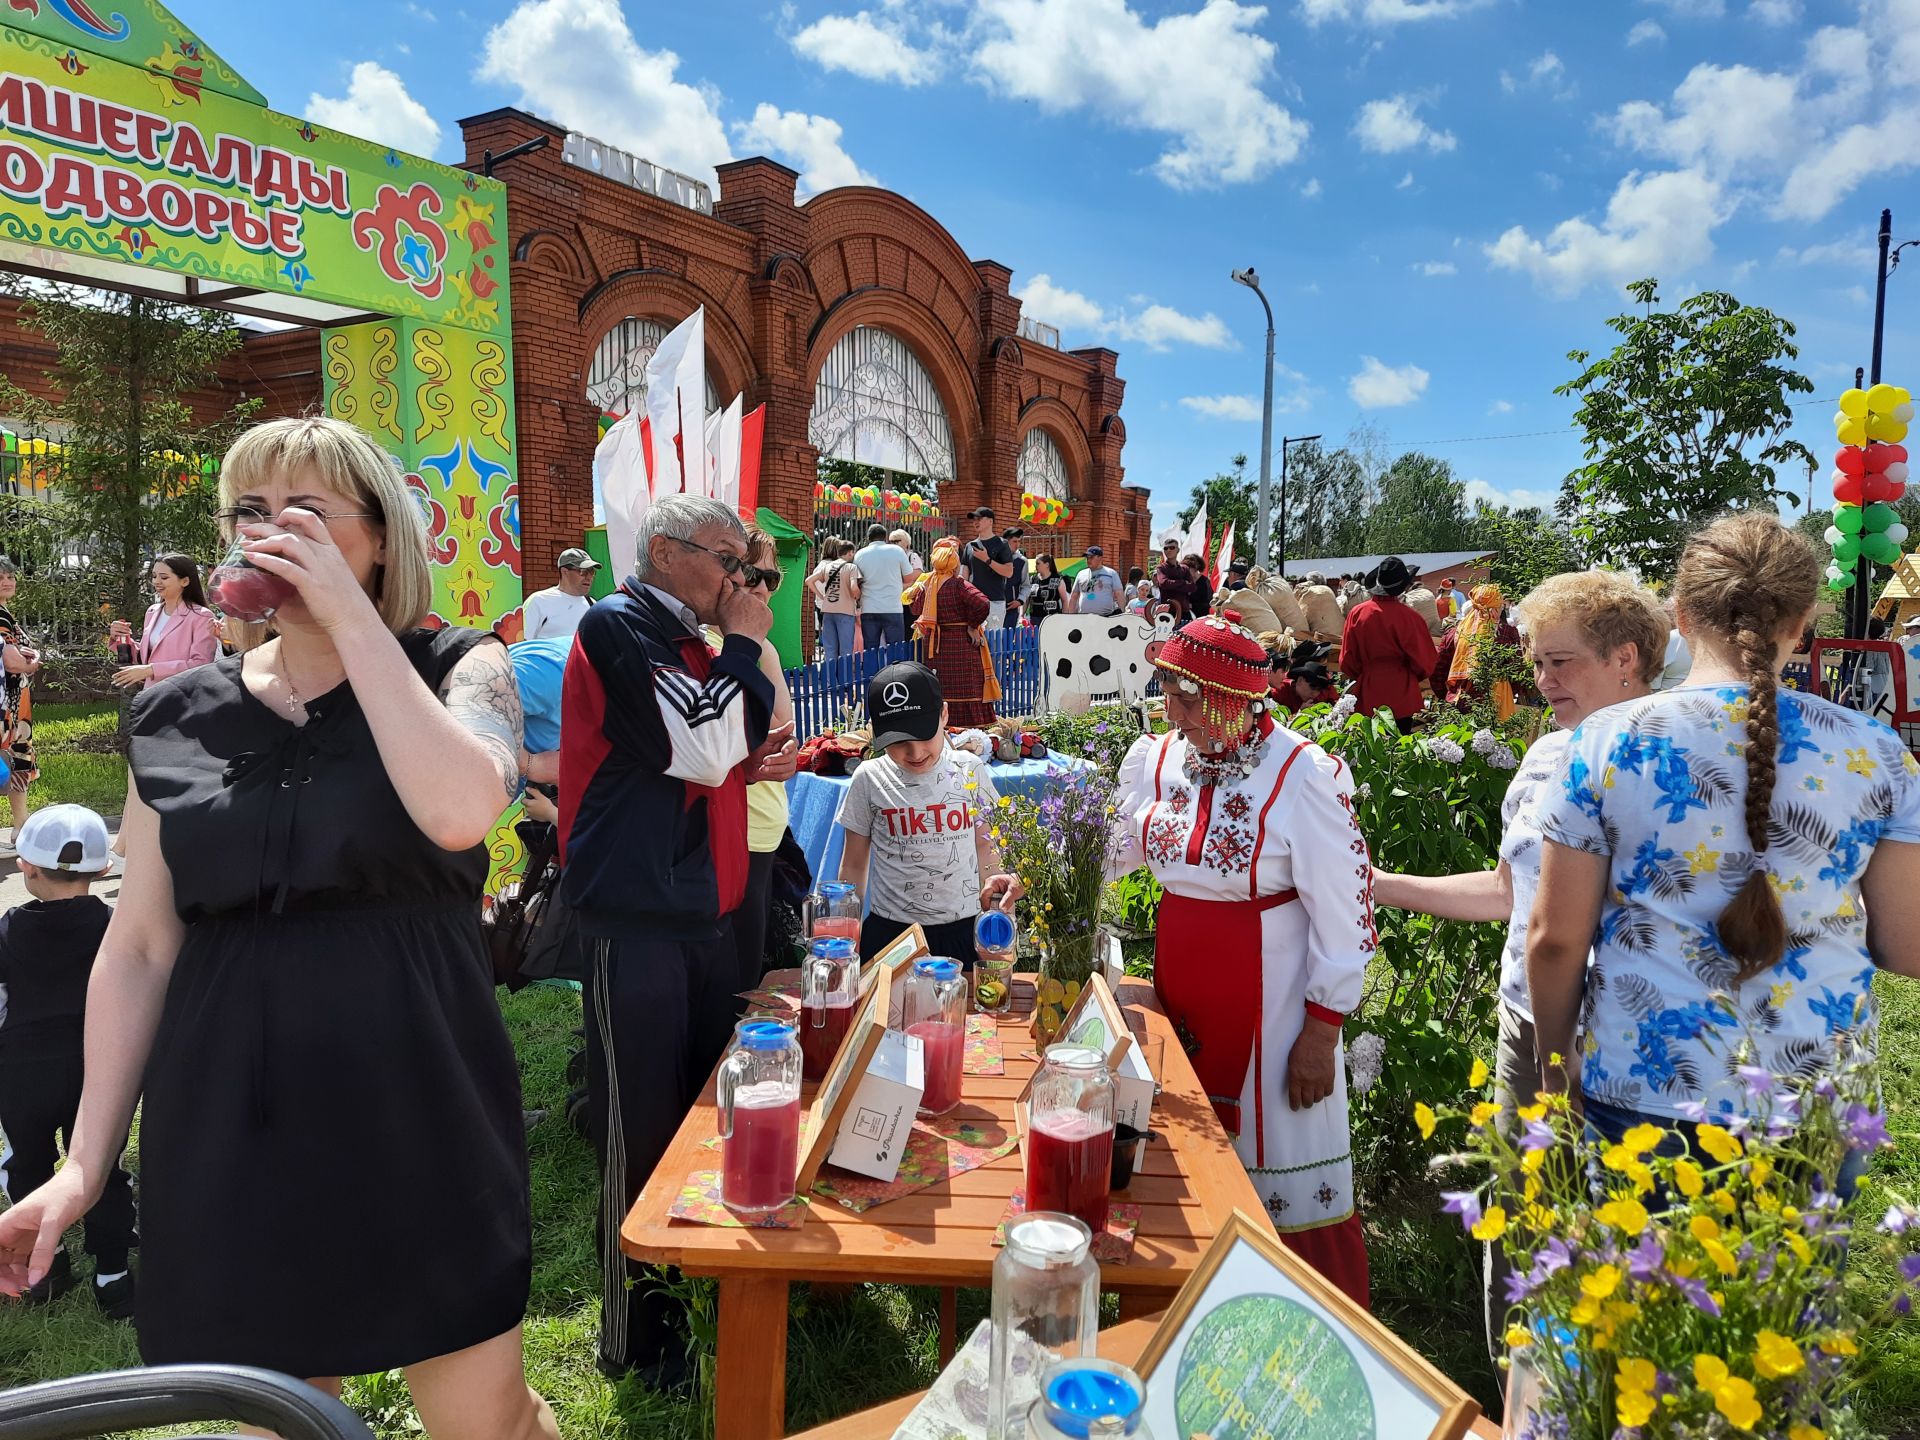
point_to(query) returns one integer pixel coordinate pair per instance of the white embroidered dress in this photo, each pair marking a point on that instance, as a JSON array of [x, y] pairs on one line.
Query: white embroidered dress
[[1244, 844]]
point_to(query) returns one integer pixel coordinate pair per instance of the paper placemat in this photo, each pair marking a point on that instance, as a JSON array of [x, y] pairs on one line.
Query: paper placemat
[[936, 1150], [699, 1202], [776, 988], [983, 1053], [1112, 1246]]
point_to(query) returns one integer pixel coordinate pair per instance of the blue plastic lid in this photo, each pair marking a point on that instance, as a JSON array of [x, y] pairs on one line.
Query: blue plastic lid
[[833, 947], [765, 1035], [1080, 1395], [836, 889], [994, 930], [935, 968]]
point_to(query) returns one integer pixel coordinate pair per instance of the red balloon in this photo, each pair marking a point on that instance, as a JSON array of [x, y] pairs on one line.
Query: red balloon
[[1878, 457], [1874, 487], [1850, 459], [1895, 489], [1847, 490]]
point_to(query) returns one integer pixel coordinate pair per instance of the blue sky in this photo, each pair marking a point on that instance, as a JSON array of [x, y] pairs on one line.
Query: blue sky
[[1441, 196]]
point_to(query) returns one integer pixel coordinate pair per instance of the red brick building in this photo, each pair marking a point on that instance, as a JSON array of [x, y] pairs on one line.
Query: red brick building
[[855, 292]]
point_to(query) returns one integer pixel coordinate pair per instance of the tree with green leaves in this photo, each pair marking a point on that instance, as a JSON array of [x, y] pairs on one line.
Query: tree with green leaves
[[1685, 418], [1230, 499], [1421, 506], [1328, 504], [1529, 545], [134, 469]]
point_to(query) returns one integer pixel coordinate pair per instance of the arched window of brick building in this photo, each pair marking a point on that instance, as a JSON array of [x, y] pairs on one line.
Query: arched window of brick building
[[875, 404], [1043, 469], [617, 379]]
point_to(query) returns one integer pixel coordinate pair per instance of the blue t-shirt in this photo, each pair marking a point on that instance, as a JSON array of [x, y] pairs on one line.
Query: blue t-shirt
[[1658, 786], [539, 667]]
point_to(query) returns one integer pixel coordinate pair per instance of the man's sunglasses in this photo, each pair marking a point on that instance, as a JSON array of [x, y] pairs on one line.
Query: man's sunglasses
[[733, 565]]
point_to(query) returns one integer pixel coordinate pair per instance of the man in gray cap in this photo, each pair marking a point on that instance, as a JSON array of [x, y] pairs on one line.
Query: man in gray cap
[[1097, 588], [556, 611]]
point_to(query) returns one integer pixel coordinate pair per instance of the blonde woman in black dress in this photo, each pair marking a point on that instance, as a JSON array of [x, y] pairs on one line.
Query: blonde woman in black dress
[[333, 1166]]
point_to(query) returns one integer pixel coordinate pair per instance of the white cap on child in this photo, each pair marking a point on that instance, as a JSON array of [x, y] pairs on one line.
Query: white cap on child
[[69, 838]]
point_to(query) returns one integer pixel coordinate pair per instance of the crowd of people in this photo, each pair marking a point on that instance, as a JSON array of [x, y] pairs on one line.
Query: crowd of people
[[295, 975]]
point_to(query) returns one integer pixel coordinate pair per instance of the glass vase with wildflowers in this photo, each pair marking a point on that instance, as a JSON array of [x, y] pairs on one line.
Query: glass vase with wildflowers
[[1661, 1292]]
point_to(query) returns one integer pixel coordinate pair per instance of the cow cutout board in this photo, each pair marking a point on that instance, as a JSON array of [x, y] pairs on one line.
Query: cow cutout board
[[1103, 657]]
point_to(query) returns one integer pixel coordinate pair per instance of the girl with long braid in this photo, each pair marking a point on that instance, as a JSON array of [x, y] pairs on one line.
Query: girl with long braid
[[1740, 857]]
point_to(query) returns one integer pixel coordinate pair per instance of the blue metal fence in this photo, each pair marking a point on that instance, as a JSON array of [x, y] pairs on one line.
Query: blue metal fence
[[826, 690]]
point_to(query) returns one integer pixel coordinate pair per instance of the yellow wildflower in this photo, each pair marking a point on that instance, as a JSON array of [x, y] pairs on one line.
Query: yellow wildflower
[[1532, 1161], [1491, 1225], [1732, 1396], [1636, 1374], [1798, 1244], [1532, 1112], [1483, 1112], [1634, 1407], [1478, 1076], [1686, 1175], [1723, 1200], [1423, 1117], [1722, 1257], [1761, 1171], [1790, 1214], [1704, 1228], [1806, 1432], [1585, 1312], [1601, 1283], [1840, 1344], [1624, 1213], [1642, 1138], [1775, 1356], [1766, 1200], [1517, 1337], [1718, 1143]]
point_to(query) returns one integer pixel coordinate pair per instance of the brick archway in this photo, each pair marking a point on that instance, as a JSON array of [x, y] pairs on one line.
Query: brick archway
[[664, 297], [1056, 418]]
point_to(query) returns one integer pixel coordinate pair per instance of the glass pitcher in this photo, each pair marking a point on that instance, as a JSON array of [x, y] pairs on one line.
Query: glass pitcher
[[829, 993], [758, 1090], [1089, 1400], [833, 911], [1070, 1135], [935, 1011], [1045, 1307]]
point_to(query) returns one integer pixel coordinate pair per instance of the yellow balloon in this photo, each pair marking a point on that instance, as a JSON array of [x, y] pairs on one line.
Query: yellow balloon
[[1881, 399], [1849, 430], [1853, 402], [1886, 429]]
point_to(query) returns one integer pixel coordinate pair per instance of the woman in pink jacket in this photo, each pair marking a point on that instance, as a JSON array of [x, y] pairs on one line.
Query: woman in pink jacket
[[179, 632]]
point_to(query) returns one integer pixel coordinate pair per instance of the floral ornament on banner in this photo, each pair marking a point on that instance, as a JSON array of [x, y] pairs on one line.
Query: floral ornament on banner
[[1869, 473], [1044, 510]]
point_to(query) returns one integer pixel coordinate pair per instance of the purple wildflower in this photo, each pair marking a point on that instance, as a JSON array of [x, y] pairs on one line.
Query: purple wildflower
[[1900, 1218], [1866, 1128], [1910, 1268], [1538, 1136], [1696, 1293], [1553, 1256], [1903, 1304], [1101, 728], [1693, 1111], [1820, 1197], [1825, 1088], [1646, 1258], [1759, 1080], [1519, 1288], [1465, 1204]]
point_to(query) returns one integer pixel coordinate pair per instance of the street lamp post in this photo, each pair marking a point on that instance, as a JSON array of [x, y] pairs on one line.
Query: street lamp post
[[1280, 567], [1263, 546]]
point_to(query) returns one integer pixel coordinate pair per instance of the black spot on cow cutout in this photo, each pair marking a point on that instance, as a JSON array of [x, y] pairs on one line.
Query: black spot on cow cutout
[[1073, 637], [1064, 669], [1099, 665], [1117, 632]]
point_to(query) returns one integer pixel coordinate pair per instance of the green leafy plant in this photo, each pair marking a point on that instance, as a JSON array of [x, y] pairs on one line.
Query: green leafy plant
[[1103, 734]]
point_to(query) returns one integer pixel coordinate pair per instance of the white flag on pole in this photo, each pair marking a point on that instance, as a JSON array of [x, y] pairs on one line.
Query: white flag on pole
[[620, 487], [677, 408], [1224, 558], [1194, 542], [723, 455]]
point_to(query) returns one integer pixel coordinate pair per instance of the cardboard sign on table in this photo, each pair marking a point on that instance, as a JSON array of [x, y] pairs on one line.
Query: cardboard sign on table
[[1256, 1334]]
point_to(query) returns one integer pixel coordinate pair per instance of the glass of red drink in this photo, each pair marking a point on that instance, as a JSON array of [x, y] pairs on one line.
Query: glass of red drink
[[834, 912], [1070, 1135], [758, 1089], [829, 991], [935, 1012], [239, 588]]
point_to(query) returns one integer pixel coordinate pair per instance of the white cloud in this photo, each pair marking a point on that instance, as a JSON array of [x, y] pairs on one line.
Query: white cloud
[[1196, 78], [576, 62], [1775, 12], [1500, 407], [1405, 182], [860, 44], [1389, 126], [1829, 174], [1839, 50], [1155, 326], [1721, 117], [1656, 224], [420, 12], [377, 107], [1436, 267], [1833, 252], [1544, 72], [1224, 407], [1478, 490], [1311, 190], [1646, 32], [1380, 387], [810, 142], [1693, 9], [1385, 12]]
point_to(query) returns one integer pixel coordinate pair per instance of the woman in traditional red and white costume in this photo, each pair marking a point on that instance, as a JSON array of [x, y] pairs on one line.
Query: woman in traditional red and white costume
[[1265, 928]]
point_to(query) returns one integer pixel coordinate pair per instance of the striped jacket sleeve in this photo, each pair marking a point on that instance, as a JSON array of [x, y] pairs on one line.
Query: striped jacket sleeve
[[712, 724]]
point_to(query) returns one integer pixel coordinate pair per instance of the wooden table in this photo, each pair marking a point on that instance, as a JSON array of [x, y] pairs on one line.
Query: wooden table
[[943, 1235], [1122, 1343]]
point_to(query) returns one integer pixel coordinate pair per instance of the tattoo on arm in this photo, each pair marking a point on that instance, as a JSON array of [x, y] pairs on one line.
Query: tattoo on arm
[[481, 696]]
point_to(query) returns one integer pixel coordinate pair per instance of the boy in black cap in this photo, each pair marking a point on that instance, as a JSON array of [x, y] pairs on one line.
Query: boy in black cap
[[916, 823], [47, 948]]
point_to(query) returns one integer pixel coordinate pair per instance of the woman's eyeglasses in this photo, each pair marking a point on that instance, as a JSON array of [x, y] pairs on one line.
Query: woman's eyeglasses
[[236, 515], [750, 575]]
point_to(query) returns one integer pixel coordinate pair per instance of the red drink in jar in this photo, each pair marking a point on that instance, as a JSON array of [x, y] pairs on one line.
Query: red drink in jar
[[943, 1048], [246, 592], [836, 927], [1070, 1166], [761, 1158], [822, 1028]]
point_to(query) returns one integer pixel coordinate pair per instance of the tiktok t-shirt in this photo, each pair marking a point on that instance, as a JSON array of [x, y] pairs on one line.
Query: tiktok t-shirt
[[923, 868]]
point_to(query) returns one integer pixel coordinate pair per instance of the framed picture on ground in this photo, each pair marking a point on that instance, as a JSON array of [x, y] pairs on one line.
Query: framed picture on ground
[[843, 1075], [1258, 1343]]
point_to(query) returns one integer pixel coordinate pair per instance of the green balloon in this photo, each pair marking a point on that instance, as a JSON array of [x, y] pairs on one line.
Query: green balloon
[[1880, 549], [1847, 518], [1877, 517], [1847, 550]]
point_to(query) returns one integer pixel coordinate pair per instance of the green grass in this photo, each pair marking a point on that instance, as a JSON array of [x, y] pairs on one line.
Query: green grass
[[78, 764], [879, 1341]]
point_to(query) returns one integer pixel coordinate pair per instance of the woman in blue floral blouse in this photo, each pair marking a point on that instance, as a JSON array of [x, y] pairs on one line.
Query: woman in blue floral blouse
[[1721, 846]]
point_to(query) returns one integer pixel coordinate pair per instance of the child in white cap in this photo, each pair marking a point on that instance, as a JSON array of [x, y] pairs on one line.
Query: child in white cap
[[47, 948]]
